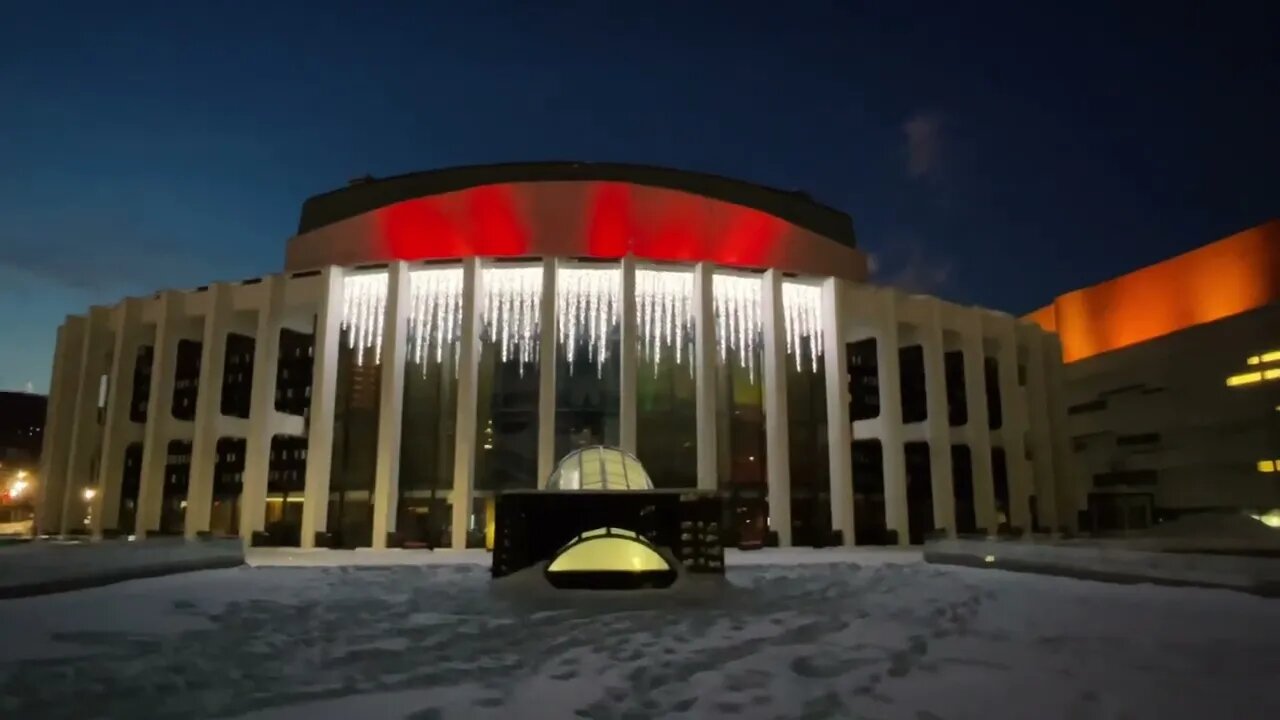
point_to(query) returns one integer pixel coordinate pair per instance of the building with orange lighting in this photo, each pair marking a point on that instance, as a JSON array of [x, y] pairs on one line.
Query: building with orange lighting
[[1173, 383], [437, 338]]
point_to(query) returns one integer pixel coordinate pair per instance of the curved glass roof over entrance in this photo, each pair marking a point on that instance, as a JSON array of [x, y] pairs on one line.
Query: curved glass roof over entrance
[[599, 468]]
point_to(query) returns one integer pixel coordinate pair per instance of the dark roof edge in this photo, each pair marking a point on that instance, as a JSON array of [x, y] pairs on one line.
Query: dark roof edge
[[796, 208]]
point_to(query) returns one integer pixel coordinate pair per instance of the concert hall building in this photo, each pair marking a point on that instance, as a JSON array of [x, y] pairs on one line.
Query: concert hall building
[[437, 338]]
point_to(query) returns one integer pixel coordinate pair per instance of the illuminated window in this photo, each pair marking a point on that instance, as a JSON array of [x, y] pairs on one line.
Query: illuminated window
[[1271, 374], [1244, 379], [1270, 357], [1254, 360], [1266, 466]]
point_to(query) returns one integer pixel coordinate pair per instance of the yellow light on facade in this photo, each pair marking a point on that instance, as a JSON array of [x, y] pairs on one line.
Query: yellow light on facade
[[1271, 374], [89, 493], [1270, 357], [1254, 360], [1266, 466], [1244, 379]]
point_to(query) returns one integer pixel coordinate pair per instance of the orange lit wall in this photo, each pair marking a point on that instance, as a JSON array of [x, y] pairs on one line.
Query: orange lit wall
[[1231, 276]]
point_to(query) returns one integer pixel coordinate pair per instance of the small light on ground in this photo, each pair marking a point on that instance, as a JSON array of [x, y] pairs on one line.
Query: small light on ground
[[989, 558], [89, 493]]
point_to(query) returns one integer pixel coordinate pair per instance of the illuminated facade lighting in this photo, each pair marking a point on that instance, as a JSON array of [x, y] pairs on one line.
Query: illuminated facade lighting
[[1244, 379], [1266, 466]]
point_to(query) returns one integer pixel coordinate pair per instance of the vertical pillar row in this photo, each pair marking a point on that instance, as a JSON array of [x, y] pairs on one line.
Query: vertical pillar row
[[155, 438], [464, 456], [204, 441], [977, 430], [324, 387], [547, 373], [777, 443], [1013, 403], [937, 424], [704, 368], [839, 424], [117, 427], [628, 352], [395, 334], [64, 388], [262, 407], [891, 442], [1039, 427]]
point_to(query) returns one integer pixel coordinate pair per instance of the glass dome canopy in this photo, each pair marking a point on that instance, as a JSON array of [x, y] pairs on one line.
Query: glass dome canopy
[[599, 468]]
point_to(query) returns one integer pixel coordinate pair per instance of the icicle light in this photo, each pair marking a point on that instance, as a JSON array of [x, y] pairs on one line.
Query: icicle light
[[801, 308], [737, 313], [587, 311], [512, 300], [435, 314], [664, 315], [364, 302]]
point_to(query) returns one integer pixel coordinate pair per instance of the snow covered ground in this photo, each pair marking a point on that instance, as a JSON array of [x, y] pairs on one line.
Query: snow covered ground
[[872, 640]]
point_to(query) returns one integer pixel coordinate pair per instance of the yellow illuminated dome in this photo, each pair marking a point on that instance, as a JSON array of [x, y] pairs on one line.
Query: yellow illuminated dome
[[599, 468], [610, 558]]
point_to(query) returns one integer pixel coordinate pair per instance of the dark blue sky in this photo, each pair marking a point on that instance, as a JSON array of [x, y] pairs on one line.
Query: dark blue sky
[[997, 157]]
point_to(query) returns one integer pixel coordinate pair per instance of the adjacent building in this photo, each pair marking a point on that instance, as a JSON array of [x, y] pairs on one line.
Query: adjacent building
[[440, 337], [1173, 384]]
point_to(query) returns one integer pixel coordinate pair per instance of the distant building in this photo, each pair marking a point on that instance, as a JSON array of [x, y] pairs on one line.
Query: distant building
[[21, 427], [437, 338], [1173, 383]]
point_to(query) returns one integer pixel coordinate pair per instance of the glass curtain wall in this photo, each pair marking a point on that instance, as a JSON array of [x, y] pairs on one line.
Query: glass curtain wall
[[666, 422], [806, 415], [740, 432], [429, 412], [355, 427], [588, 383], [507, 384]]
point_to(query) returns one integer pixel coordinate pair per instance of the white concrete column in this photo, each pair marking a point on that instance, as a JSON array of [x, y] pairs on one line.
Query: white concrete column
[[64, 388], [937, 424], [117, 430], [704, 369], [1013, 431], [547, 373], [1067, 503], [324, 390], [777, 439], [839, 424], [204, 440], [628, 357], [395, 343], [978, 431], [262, 407], [156, 434], [891, 442], [1039, 426], [464, 454], [86, 433]]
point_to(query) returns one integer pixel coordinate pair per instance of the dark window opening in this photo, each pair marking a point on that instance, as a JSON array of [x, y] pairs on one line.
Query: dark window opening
[[995, 411], [1151, 438], [141, 391], [228, 481], [237, 376], [1087, 407], [868, 494], [286, 479], [864, 379], [962, 484], [911, 379], [957, 398], [919, 491], [186, 380], [130, 483], [293, 372], [177, 479], [1000, 478]]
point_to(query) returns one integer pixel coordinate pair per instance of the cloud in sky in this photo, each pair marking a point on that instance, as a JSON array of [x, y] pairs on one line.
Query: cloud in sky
[[923, 133], [910, 266]]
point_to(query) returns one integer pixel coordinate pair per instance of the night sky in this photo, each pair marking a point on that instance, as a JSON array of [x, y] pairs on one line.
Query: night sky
[[998, 157]]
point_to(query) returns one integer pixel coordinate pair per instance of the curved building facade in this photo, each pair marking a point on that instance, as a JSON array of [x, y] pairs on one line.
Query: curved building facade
[[440, 337]]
